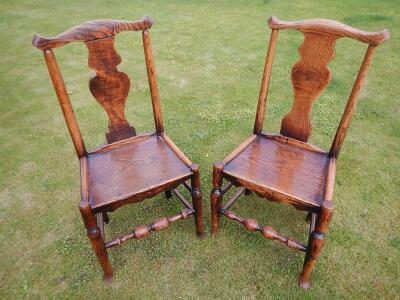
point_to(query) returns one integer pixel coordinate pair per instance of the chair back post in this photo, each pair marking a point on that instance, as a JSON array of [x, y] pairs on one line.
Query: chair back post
[[351, 103], [65, 102], [262, 98], [151, 74]]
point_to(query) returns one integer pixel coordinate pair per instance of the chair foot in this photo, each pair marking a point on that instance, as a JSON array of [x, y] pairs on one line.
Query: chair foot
[[201, 235], [316, 242], [168, 194], [108, 279], [305, 284], [96, 239]]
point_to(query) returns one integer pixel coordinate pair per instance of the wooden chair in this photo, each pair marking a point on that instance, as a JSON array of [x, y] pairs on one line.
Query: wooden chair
[[131, 167], [284, 167]]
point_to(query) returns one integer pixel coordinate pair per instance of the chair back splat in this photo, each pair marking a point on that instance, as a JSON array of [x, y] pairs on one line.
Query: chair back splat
[[110, 87], [310, 75]]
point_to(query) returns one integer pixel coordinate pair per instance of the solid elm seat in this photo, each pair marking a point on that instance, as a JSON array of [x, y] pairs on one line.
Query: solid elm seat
[[130, 172], [279, 168]]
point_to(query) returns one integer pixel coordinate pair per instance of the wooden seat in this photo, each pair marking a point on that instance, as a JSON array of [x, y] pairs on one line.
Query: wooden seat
[[130, 167], [273, 167], [142, 166], [285, 167]]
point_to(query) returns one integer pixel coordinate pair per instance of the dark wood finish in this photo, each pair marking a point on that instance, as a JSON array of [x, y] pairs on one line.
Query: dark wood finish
[[90, 31], [316, 242], [294, 142], [233, 199], [226, 187], [187, 186], [267, 231], [168, 194], [285, 173], [197, 200], [351, 103], [216, 196], [238, 150], [65, 103], [330, 27], [130, 167], [151, 74], [310, 76], [132, 172], [176, 150], [181, 198], [285, 167], [262, 98], [110, 87], [93, 231], [142, 231]]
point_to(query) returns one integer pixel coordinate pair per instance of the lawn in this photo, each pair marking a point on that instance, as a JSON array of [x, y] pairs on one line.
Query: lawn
[[209, 57]]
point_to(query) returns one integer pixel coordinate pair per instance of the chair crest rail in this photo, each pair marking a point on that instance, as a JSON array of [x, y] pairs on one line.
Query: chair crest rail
[[89, 31], [330, 27]]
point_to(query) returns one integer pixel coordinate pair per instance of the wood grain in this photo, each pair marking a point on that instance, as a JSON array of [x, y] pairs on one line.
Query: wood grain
[[89, 31], [239, 149], [286, 170], [133, 172], [316, 243], [330, 180], [294, 142], [142, 231], [310, 75], [267, 231], [351, 104], [65, 103], [110, 87], [330, 27], [151, 74], [262, 98]]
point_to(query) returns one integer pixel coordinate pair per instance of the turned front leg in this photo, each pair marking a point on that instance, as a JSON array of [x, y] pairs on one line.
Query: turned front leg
[[197, 200], [97, 241], [316, 242], [216, 196]]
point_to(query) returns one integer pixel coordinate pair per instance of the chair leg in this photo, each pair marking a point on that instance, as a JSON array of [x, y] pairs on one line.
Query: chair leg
[[106, 218], [216, 196], [197, 198], [316, 242], [248, 192], [168, 194], [97, 241]]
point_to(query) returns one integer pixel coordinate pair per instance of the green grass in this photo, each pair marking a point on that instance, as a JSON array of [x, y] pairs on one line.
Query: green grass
[[209, 57]]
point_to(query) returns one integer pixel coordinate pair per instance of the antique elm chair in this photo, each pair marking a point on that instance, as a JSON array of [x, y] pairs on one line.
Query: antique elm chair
[[284, 167], [130, 167]]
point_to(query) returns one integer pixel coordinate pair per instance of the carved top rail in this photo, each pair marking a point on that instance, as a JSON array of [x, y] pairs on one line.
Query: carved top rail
[[89, 31], [324, 26], [109, 87]]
